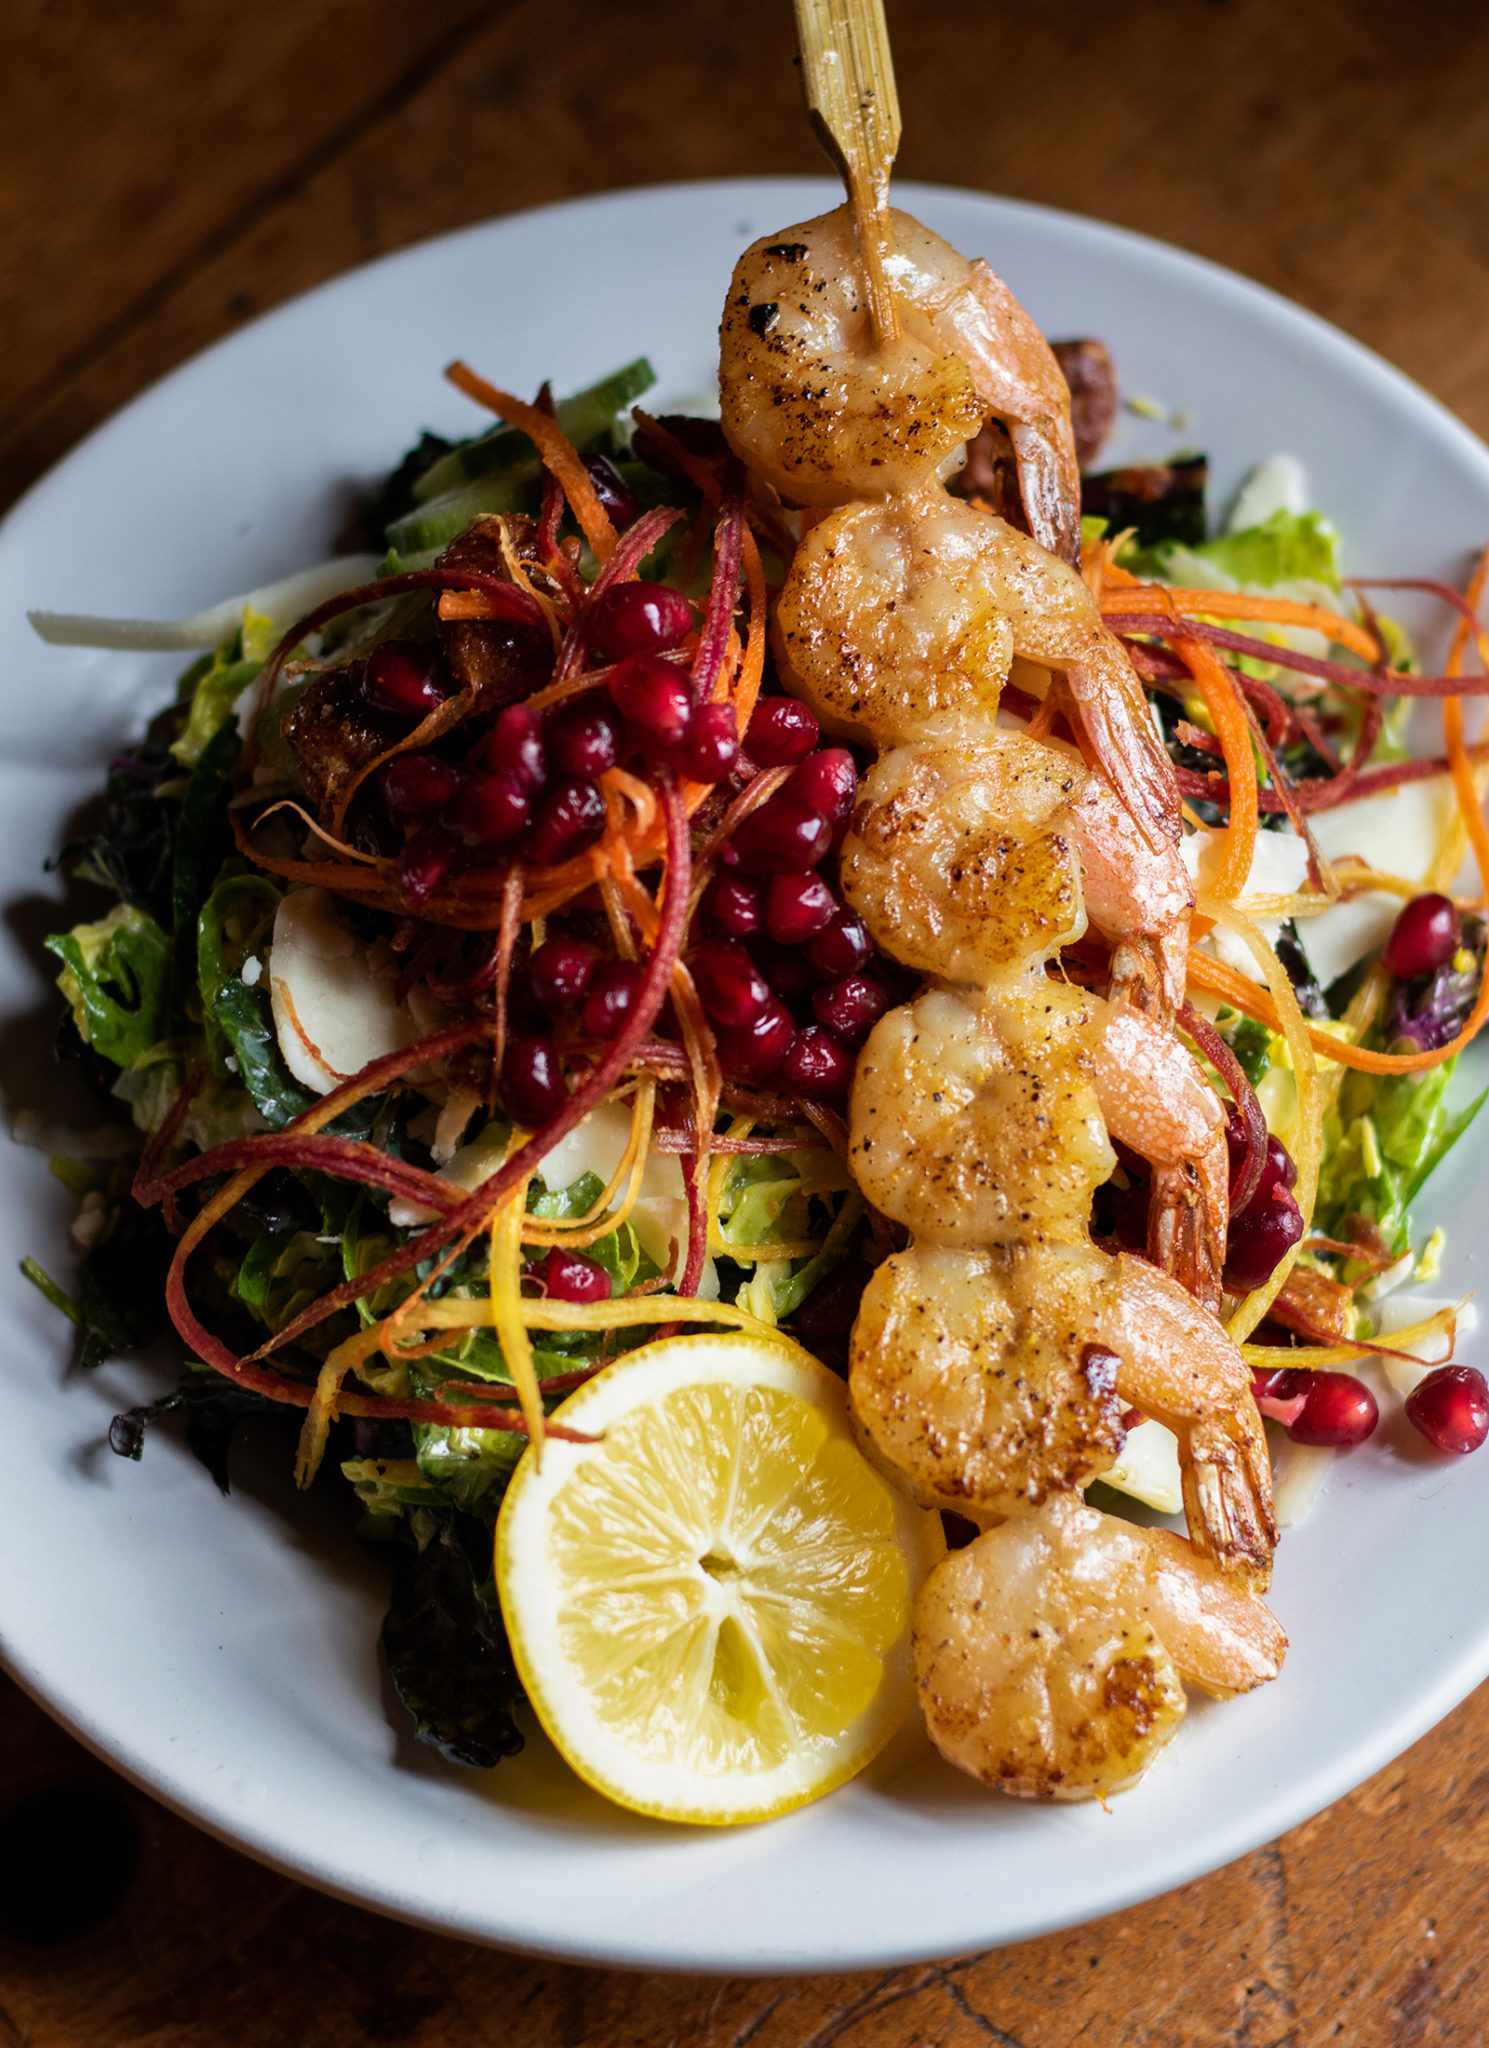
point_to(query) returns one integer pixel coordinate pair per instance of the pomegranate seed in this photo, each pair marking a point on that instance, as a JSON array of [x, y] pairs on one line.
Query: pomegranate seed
[[781, 732], [1261, 1236], [1424, 937], [755, 1050], [1281, 1392], [732, 905], [569, 816], [781, 838], [841, 947], [516, 744], [817, 1064], [427, 860], [612, 490], [532, 1082], [797, 907], [1451, 1408], [712, 744], [731, 988], [785, 970], [639, 618], [491, 809], [1337, 1409], [584, 738], [1278, 1169], [654, 697], [415, 786], [850, 1008], [612, 997], [403, 676], [569, 1276], [828, 782], [561, 971]]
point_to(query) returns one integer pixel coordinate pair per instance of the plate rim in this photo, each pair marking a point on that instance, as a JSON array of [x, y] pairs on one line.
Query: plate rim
[[1456, 1676]]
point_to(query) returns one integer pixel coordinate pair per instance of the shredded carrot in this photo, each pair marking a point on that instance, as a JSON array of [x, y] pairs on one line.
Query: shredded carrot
[[1236, 604], [1223, 702], [558, 452]]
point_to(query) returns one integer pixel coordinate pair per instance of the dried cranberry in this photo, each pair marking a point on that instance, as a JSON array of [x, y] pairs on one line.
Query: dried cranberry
[[733, 906], [429, 858], [569, 816], [654, 697], [730, 986], [515, 743], [639, 618], [1451, 1408], [1261, 1236], [584, 737], [561, 971], [1337, 1409], [850, 1008], [841, 947], [569, 1276], [781, 838], [781, 732], [755, 1050], [532, 1081], [1425, 936], [612, 998], [711, 747], [817, 1064], [415, 786], [798, 907], [492, 809], [828, 783], [405, 677]]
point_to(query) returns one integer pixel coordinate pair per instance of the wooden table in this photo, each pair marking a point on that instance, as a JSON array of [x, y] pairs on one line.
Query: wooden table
[[170, 170]]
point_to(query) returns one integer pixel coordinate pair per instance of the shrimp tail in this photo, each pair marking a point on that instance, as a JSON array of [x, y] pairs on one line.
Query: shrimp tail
[[1049, 484], [1120, 742], [1227, 1495]]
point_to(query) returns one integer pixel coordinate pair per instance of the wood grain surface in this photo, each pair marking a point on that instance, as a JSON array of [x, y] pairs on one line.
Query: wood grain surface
[[166, 171]]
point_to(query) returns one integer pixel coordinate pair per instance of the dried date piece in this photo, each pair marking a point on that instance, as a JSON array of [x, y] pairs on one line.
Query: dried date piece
[[1088, 370], [504, 661]]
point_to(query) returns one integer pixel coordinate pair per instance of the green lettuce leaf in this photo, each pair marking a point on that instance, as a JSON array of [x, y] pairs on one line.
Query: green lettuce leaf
[[116, 974]]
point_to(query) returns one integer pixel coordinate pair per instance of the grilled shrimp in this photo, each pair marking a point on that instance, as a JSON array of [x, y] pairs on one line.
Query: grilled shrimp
[[979, 1124], [898, 610], [993, 1379], [1051, 1654], [945, 825], [813, 403]]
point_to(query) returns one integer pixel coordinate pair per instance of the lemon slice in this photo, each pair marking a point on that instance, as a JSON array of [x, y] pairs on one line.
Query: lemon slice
[[710, 1606]]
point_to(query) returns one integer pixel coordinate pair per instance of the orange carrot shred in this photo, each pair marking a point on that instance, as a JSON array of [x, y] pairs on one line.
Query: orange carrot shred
[[558, 452]]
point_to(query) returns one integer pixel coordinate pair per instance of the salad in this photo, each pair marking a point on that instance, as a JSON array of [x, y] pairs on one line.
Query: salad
[[444, 1101]]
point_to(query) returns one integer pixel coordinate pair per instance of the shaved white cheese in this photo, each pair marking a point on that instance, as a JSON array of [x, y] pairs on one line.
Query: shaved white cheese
[[333, 1011], [1279, 483], [1279, 867], [1298, 1475], [1398, 831], [660, 1216], [597, 1146], [1400, 1311], [281, 603], [1148, 1468]]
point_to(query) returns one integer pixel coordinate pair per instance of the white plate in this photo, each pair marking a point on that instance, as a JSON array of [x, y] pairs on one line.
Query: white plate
[[224, 1653]]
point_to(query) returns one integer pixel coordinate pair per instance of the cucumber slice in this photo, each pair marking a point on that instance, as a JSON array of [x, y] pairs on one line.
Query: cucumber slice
[[584, 417]]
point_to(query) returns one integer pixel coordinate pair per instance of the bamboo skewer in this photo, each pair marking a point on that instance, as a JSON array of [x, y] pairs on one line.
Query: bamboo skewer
[[848, 77]]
